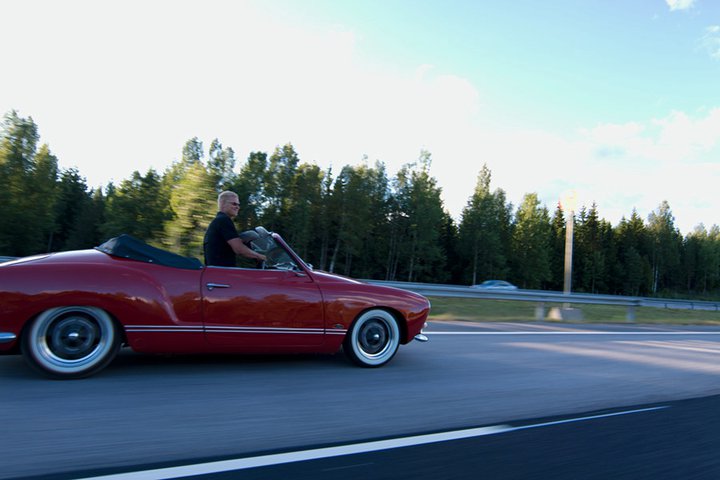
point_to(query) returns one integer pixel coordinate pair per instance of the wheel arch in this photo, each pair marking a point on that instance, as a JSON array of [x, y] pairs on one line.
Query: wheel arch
[[397, 315]]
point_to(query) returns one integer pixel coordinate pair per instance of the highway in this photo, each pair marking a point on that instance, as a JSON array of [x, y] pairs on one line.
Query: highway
[[154, 412]]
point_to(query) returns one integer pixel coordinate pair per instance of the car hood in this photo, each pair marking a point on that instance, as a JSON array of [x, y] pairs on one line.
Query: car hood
[[326, 278], [73, 256], [22, 260], [331, 279]]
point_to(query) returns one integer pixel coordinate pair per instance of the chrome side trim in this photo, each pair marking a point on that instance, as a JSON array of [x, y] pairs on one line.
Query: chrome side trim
[[7, 337], [232, 329], [273, 330], [159, 329]]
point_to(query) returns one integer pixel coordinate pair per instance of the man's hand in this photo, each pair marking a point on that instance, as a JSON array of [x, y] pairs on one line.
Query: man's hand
[[241, 249]]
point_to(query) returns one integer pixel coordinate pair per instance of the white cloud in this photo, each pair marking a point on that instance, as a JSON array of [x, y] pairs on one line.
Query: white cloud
[[673, 158], [620, 167], [680, 4], [550, 165], [685, 138], [711, 41], [110, 102]]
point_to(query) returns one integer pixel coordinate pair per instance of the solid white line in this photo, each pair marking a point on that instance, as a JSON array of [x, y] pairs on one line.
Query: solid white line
[[572, 333], [592, 417], [318, 453]]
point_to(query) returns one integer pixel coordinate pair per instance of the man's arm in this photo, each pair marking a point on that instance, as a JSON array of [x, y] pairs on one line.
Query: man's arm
[[241, 249]]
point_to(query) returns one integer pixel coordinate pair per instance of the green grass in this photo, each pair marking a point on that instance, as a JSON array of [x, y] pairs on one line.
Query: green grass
[[477, 310]]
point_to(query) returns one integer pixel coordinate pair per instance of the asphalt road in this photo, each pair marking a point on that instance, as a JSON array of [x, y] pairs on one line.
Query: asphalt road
[[676, 440], [155, 411]]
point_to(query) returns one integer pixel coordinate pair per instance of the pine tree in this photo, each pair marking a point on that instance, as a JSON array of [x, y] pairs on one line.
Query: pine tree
[[73, 198], [249, 185], [634, 268], [29, 182], [419, 217], [557, 249], [666, 244], [531, 244], [139, 207], [193, 205], [484, 232], [279, 178]]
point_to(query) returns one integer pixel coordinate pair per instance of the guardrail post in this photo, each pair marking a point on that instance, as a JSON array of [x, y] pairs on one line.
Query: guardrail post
[[540, 311], [630, 315]]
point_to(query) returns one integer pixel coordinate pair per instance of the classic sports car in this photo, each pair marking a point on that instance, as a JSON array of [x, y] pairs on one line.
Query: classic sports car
[[69, 313]]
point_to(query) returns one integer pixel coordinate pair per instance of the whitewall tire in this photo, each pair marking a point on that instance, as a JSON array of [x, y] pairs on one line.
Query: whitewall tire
[[373, 339], [71, 342]]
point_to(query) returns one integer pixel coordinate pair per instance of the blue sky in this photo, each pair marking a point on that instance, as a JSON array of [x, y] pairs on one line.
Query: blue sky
[[618, 101], [558, 62]]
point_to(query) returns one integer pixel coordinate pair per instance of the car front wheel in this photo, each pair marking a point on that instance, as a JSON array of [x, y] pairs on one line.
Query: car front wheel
[[373, 339], [71, 342]]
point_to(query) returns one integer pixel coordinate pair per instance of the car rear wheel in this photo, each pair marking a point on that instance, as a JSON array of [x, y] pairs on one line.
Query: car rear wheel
[[71, 342], [373, 339]]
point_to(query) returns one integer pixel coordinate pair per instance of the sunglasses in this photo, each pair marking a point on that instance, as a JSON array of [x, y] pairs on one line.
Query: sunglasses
[[235, 204]]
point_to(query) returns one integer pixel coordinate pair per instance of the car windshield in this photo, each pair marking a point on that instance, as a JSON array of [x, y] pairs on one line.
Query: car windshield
[[275, 254]]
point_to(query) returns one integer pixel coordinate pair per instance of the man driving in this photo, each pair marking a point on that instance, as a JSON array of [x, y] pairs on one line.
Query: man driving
[[222, 241]]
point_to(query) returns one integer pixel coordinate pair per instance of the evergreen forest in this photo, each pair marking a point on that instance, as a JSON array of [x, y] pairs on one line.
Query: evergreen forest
[[358, 221]]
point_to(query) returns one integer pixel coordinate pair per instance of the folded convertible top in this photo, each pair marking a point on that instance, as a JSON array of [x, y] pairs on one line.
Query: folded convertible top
[[127, 246]]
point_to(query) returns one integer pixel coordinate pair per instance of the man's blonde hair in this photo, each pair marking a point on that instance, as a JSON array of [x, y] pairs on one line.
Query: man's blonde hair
[[225, 197]]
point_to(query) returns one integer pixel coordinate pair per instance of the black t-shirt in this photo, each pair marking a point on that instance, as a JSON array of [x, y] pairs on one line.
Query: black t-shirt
[[217, 251]]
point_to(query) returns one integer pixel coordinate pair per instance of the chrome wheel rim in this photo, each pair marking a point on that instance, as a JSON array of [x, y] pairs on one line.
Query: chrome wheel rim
[[72, 337], [373, 337]]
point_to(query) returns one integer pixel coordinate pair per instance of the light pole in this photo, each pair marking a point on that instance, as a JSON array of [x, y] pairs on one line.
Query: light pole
[[568, 204]]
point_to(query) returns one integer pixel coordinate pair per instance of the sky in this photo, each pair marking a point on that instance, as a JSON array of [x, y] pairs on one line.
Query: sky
[[616, 101]]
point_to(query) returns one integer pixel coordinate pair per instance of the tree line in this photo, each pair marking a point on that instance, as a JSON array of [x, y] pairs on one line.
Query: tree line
[[359, 221]]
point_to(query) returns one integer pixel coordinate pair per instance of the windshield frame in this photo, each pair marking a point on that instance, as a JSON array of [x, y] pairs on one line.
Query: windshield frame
[[279, 243]]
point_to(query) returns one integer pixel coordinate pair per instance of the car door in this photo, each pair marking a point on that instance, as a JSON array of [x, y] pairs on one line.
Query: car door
[[255, 309]]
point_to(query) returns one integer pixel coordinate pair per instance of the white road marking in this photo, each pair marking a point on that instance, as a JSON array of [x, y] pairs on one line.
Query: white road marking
[[688, 346], [320, 453]]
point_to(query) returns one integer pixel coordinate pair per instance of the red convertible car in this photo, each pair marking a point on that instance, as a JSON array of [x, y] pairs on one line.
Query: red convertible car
[[69, 313]]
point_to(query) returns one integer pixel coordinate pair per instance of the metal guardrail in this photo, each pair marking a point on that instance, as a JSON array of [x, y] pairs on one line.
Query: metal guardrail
[[541, 297]]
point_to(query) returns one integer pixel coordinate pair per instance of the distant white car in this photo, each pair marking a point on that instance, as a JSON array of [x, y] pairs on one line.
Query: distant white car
[[495, 285]]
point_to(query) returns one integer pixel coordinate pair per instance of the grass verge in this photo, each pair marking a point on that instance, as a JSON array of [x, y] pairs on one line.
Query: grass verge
[[477, 310]]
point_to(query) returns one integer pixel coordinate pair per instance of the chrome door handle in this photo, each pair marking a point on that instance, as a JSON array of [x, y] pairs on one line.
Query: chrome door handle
[[210, 286]]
